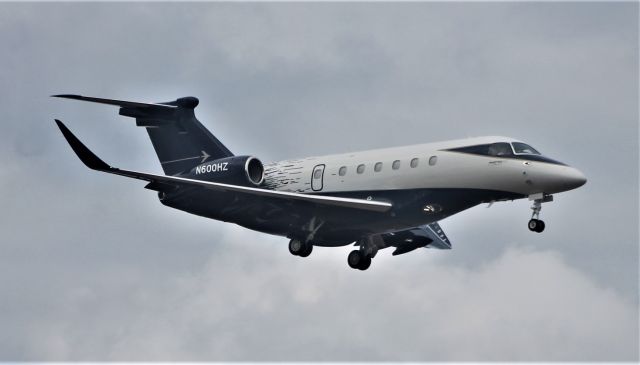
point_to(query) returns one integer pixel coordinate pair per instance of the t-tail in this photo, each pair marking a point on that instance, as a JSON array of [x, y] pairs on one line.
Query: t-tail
[[180, 140]]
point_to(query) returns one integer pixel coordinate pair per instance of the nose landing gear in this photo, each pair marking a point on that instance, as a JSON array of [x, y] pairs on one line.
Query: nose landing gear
[[536, 224]]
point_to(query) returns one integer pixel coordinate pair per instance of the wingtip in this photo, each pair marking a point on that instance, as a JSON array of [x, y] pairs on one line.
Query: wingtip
[[61, 126], [67, 96], [86, 156]]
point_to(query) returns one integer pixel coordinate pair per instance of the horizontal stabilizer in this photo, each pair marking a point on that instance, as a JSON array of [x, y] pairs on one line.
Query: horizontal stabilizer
[[120, 103]]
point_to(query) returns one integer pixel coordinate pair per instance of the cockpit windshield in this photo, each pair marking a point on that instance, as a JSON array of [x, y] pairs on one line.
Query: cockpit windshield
[[523, 148], [513, 150], [499, 149]]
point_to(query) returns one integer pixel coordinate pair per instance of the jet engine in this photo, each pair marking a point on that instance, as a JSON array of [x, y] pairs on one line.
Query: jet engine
[[235, 170]]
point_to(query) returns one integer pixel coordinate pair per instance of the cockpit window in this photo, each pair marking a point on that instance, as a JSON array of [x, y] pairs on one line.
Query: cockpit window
[[524, 148], [499, 149], [493, 149], [506, 150]]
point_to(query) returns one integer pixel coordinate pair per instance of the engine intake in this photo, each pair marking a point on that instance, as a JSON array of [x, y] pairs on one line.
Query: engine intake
[[255, 170]]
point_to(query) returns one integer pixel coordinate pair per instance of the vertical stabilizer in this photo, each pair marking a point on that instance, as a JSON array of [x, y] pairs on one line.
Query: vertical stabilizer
[[179, 139]]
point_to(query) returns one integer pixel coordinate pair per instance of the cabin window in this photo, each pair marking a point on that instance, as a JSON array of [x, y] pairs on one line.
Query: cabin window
[[395, 165], [342, 171], [317, 174], [360, 168], [414, 163], [377, 167], [433, 160]]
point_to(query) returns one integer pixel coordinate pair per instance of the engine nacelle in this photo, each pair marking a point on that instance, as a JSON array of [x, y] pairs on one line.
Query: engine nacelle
[[235, 170]]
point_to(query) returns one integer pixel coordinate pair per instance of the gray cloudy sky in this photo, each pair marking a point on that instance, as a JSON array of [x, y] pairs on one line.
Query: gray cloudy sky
[[92, 267]]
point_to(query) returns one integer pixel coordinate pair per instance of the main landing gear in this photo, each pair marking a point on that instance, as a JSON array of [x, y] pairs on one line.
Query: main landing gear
[[361, 259], [357, 259], [536, 224], [299, 248]]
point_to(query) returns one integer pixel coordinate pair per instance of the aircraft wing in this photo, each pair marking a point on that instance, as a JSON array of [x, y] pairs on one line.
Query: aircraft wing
[[429, 235], [440, 239], [94, 162]]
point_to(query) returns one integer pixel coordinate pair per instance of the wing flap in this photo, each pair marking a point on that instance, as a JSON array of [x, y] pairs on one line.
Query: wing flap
[[429, 236], [440, 239]]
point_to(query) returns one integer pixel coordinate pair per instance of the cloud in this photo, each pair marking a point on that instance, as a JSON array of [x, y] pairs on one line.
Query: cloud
[[94, 268], [246, 304]]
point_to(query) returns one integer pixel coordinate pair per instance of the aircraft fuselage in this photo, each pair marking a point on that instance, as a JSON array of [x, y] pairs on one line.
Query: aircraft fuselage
[[391, 197], [426, 183]]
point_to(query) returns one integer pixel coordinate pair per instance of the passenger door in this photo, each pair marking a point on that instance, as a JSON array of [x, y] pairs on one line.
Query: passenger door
[[316, 177]]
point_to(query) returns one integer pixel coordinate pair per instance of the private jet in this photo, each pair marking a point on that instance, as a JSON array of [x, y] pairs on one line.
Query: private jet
[[390, 197]]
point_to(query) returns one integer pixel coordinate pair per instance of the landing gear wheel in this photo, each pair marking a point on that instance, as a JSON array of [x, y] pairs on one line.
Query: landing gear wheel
[[306, 251], [358, 260], [540, 227], [296, 247], [365, 263], [536, 225], [354, 259], [299, 248]]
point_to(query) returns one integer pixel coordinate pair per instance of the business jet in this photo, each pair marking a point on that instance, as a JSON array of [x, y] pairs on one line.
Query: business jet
[[391, 197]]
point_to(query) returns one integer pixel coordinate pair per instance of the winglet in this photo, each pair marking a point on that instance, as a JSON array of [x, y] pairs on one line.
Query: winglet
[[86, 156]]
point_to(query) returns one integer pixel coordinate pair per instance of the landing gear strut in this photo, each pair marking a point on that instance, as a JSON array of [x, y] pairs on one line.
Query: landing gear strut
[[536, 224], [299, 248]]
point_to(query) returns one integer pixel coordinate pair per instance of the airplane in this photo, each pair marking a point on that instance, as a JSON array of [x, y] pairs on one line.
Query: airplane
[[391, 197]]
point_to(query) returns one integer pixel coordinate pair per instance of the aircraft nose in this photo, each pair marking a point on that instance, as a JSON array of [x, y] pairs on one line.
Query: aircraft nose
[[557, 178], [574, 178]]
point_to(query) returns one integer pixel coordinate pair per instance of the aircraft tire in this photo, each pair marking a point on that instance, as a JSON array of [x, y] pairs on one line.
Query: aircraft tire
[[354, 259], [306, 250], [536, 225], [296, 247], [365, 263]]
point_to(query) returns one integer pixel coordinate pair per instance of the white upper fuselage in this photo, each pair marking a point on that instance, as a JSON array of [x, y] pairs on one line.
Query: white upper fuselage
[[448, 169]]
